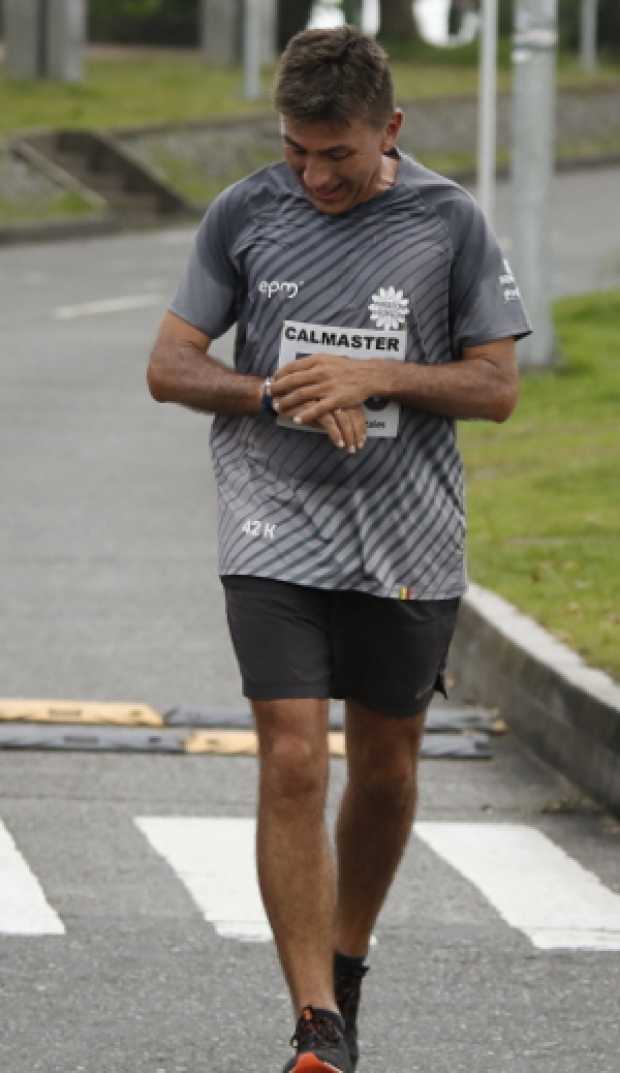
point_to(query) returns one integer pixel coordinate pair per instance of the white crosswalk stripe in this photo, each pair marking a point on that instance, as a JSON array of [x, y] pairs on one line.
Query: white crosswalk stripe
[[533, 884], [23, 906], [215, 860], [529, 881]]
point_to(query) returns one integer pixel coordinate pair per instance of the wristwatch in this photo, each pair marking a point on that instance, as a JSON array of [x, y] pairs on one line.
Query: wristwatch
[[266, 401]]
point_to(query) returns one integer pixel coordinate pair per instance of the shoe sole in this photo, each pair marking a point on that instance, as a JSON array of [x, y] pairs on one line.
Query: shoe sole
[[309, 1063]]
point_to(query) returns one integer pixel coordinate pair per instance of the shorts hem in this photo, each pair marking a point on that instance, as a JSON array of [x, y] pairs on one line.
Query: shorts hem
[[286, 692]]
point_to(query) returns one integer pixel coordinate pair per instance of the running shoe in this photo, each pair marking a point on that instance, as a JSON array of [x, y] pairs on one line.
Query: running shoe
[[320, 1044], [348, 985]]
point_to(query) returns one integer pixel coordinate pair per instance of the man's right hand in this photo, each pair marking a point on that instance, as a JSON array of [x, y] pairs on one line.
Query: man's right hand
[[345, 428]]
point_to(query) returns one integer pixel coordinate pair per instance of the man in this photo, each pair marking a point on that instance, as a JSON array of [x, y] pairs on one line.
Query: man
[[373, 309]]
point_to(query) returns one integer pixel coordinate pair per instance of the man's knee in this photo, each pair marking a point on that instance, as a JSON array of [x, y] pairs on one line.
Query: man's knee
[[389, 786], [383, 751], [293, 751], [293, 767]]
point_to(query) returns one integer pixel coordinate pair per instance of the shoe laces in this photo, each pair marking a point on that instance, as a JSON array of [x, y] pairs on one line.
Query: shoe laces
[[313, 1029]]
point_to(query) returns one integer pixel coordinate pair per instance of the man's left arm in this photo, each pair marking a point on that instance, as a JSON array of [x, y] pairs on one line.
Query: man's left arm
[[483, 384]]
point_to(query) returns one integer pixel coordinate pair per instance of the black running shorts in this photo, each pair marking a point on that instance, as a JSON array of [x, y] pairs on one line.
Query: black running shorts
[[294, 641]]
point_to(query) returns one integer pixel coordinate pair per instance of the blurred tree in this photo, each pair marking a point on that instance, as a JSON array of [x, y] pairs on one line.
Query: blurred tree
[[396, 21], [457, 12], [352, 12], [293, 16], [157, 22], [504, 17], [609, 25]]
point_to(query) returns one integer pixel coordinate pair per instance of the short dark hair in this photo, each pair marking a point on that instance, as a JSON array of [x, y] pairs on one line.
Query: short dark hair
[[334, 76]]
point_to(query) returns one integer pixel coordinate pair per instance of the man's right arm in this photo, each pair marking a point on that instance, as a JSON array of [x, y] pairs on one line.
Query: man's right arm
[[181, 370]]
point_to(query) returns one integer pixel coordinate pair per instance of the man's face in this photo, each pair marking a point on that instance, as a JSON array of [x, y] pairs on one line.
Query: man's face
[[339, 165]]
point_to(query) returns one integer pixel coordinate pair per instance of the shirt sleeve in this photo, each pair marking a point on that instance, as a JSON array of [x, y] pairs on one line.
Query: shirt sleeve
[[485, 300], [209, 292]]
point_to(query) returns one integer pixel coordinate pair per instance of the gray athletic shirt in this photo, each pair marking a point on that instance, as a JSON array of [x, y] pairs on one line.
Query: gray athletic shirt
[[418, 258]]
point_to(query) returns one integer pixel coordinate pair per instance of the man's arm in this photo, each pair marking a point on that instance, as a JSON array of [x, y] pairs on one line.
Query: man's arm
[[181, 370], [483, 385]]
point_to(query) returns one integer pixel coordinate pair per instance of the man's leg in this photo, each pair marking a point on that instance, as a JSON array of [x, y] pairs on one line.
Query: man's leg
[[375, 820], [296, 869]]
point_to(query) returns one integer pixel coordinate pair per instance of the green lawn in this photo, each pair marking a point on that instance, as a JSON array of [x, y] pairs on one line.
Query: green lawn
[[544, 489], [158, 86], [61, 206]]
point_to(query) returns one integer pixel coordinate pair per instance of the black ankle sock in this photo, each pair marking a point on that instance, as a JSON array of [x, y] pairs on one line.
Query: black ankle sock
[[344, 963], [331, 1015]]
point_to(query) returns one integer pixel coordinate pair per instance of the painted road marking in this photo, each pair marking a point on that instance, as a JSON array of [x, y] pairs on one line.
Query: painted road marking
[[245, 742], [214, 858], [76, 711], [533, 884], [24, 909], [108, 305]]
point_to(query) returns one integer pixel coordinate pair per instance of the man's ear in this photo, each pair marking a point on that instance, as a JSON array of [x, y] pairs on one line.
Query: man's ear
[[392, 130]]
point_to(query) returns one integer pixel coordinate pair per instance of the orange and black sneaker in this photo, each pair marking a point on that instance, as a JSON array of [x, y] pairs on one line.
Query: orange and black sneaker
[[320, 1044], [348, 976]]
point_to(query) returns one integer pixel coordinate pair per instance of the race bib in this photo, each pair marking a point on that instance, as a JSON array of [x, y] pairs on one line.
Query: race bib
[[300, 340]]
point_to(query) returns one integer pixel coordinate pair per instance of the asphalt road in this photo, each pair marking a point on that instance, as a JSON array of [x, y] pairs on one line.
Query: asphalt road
[[109, 592], [140, 982]]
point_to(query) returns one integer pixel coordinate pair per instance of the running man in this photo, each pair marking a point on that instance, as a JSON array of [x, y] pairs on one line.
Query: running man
[[374, 309]]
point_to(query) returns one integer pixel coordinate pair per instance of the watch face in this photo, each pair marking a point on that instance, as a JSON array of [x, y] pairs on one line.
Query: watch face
[[376, 402]]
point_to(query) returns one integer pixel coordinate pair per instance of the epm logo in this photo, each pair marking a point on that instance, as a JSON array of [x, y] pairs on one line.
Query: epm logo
[[274, 286]]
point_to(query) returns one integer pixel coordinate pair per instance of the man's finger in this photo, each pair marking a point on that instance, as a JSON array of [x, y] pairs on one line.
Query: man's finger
[[347, 428], [358, 419], [332, 428], [300, 365], [293, 401], [316, 410]]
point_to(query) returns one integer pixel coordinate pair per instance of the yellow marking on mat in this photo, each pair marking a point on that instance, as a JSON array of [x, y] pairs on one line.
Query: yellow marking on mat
[[241, 743], [79, 712]]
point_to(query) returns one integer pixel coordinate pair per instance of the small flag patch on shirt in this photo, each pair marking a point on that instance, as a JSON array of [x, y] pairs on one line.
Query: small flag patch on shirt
[[405, 593]]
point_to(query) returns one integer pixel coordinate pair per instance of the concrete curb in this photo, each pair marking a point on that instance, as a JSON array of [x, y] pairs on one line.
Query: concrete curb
[[566, 711]]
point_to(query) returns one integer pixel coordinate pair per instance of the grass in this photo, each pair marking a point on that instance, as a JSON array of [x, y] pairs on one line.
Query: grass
[[544, 501], [136, 88], [63, 205], [192, 180]]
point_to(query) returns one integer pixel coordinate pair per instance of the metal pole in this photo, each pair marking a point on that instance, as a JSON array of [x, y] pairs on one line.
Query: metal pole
[[65, 33], [269, 31], [219, 25], [23, 36], [588, 34], [252, 50], [533, 121], [487, 109]]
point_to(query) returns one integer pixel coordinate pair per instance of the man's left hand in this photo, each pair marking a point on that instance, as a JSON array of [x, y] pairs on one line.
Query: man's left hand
[[321, 384]]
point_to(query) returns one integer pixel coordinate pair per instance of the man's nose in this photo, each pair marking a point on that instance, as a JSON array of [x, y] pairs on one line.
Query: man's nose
[[317, 174]]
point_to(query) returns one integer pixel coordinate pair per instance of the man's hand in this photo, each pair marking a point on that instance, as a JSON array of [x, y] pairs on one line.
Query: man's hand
[[310, 388], [346, 428]]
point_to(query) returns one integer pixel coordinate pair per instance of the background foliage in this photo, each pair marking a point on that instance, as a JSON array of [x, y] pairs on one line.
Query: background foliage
[[176, 22]]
